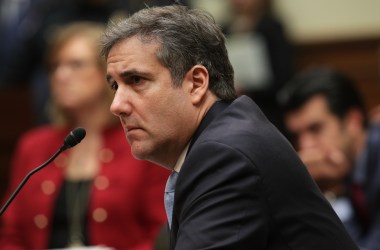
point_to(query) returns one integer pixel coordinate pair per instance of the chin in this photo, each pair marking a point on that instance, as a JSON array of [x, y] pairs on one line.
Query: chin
[[138, 153], [145, 156]]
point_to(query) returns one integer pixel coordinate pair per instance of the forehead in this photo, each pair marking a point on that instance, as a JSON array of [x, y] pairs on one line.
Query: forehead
[[76, 46], [313, 111], [132, 52], [132, 47]]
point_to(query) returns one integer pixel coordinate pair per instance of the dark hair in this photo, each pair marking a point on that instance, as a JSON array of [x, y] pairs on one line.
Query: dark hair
[[338, 89], [187, 37]]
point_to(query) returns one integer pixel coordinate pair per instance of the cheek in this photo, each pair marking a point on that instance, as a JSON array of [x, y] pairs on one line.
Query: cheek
[[163, 122], [167, 118], [333, 139]]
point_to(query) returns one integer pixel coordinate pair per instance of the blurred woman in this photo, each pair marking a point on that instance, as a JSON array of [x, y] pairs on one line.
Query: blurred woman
[[95, 194]]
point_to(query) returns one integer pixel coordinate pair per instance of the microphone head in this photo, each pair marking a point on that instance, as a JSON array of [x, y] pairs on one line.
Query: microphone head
[[74, 138]]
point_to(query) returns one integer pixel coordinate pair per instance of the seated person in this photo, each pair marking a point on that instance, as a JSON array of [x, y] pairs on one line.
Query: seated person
[[326, 121], [97, 193]]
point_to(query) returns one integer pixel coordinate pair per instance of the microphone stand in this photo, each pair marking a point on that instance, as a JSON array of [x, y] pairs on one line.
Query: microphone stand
[[22, 183], [72, 139]]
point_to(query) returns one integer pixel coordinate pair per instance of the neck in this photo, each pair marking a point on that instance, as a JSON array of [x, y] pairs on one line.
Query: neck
[[204, 107], [176, 148], [94, 118]]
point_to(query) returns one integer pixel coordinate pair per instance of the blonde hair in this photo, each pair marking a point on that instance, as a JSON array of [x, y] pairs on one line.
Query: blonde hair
[[60, 36]]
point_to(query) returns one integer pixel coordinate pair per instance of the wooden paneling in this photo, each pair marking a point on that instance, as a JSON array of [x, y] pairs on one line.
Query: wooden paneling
[[359, 59], [16, 113]]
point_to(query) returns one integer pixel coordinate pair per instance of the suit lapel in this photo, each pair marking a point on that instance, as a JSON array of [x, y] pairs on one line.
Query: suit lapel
[[214, 111]]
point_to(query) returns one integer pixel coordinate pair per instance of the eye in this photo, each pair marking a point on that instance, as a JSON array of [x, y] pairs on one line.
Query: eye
[[136, 79], [316, 128], [76, 64], [113, 86]]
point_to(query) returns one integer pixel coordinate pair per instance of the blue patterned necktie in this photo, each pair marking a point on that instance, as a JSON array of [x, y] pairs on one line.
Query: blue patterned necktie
[[169, 195]]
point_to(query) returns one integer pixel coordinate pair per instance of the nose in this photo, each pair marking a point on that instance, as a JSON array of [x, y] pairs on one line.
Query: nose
[[120, 105], [61, 73]]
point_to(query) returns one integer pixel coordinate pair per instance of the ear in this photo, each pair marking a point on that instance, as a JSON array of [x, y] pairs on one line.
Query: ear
[[354, 121], [196, 81]]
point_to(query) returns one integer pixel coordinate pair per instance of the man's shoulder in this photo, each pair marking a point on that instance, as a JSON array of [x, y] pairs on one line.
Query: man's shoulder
[[242, 122]]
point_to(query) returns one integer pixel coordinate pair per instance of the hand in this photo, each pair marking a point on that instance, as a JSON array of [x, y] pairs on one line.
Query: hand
[[325, 166]]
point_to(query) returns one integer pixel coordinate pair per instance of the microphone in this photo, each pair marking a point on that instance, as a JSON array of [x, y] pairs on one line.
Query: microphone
[[72, 139]]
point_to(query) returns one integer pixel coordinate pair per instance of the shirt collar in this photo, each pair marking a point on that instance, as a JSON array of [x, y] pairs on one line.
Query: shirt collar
[[181, 159]]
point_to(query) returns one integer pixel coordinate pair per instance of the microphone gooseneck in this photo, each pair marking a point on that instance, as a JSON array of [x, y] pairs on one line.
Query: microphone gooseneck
[[72, 139]]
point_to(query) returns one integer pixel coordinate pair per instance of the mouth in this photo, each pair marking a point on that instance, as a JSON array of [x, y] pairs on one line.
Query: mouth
[[130, 128], [133, 133], [133, 130]]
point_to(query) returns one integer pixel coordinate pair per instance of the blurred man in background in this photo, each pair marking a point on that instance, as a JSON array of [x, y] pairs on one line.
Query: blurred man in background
[[327, 122]]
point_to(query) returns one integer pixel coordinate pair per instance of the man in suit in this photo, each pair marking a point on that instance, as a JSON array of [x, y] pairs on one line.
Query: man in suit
[[240, 185], [327, 122]]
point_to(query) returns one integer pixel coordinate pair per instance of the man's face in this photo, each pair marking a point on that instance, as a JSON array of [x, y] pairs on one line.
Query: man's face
[[157, 117], [325, 142], [315, 126]]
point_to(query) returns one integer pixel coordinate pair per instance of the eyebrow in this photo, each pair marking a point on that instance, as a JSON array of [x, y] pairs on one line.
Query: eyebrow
[[128, 73]]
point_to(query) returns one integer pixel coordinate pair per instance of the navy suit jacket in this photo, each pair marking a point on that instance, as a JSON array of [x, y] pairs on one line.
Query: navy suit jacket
[[242, 186]]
